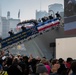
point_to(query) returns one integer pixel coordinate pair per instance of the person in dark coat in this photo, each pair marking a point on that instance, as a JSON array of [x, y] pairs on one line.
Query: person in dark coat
[[25, 61], [43, 19], [11, 33], [50, 17], [23, 28], [15, 69], [73, 67], [58, 16]]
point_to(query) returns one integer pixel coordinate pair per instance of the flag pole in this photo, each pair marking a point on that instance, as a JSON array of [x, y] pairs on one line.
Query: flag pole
[[19, 14]]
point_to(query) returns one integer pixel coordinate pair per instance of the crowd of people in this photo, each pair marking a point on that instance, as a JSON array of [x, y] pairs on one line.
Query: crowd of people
[[24, 65]]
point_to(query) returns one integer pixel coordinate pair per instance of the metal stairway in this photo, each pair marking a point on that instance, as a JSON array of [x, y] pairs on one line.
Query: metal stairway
[[28, 34]]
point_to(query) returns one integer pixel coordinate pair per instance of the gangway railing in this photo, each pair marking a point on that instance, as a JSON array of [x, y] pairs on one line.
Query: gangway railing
[[27, 34]]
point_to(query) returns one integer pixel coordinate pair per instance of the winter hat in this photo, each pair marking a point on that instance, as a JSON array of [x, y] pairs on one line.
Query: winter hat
[[41, 68]]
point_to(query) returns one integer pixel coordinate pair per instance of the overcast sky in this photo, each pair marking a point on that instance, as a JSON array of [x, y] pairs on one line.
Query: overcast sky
[[27, 7]]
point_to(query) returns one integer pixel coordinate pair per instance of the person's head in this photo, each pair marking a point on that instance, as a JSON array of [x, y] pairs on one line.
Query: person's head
[[15, 60], [40, 68], [25, 58], [44, 61], [69, 59], [61, 60], [55, 68], [18, 55], [38, 58], [55, 61]]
